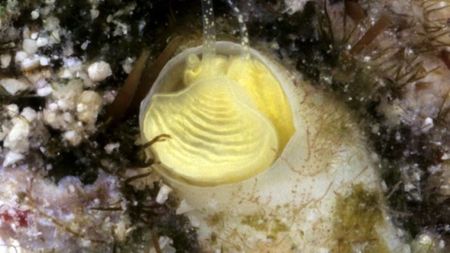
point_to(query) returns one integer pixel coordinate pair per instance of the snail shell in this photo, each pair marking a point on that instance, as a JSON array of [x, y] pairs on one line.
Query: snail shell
[[288, 206], [228, 118]]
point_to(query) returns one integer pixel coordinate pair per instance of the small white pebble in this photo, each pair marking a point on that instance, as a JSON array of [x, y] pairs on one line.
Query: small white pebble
[[34, 36], [13, 86], [66, 74], [29, 114], [5, 60], [67, 117], [323, 250], [445, 156], [30, 63], [121, 231], [55, 38], [89, 106], [163, 194], [109, 96], [72, 137], [127, 65], [109, 148], [17, 138], [428, 124], [99, 71], [35, 14], [85, 243], [12, 110], [94, 14], [53, 106], [44, 61], [85, 45], [42, 42], [29, 46], [184, 207], [12, 158], [20, 56]]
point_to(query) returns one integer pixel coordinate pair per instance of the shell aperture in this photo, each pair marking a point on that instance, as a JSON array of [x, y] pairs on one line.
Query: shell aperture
[[229, 122]]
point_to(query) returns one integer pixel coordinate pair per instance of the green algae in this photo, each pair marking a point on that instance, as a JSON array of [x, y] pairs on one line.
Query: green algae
[[355, 220], [272, 226]]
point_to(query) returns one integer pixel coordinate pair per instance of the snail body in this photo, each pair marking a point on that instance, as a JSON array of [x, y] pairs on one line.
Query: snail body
[[294, 150]]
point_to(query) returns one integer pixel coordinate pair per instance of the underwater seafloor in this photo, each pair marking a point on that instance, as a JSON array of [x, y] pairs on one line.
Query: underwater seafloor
[[73, 174]]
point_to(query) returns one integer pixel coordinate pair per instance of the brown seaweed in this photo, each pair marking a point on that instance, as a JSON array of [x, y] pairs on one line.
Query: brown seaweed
[[118, 109], [380, 26], [139, 82]]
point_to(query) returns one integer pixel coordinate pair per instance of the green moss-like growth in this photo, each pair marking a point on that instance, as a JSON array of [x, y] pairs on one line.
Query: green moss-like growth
[[356, 218], [272, 226]]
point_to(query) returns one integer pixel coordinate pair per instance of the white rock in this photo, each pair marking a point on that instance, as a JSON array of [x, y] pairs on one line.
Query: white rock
[[94, 14], [55, 38], [73, 137], [35, 14], [67, 94], [127, 65], [44, 61], [184, 207], [83, 75], [294, 6], [5, 60], [20, 56], [44, 91], [17, 138], [120, 231], [29, 46], [85, 45], [42, 42], [12, 110], [12, 158], [30, 63], [29, 114], [428, 124], [51, 118], [13, 86], [99, 71], [65, 74], [34, 36], [163, 194], [109, 148], [88, 107], [109, 96]]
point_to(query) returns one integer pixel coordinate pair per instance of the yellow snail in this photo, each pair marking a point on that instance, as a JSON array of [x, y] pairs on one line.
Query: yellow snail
[[260, 163]]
